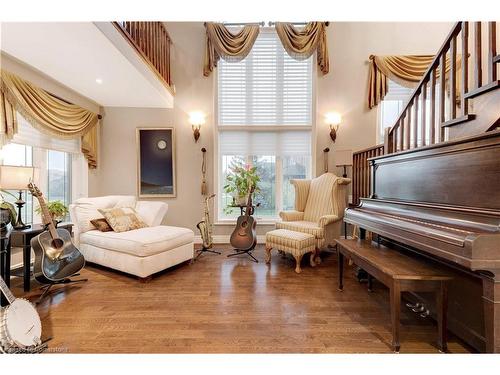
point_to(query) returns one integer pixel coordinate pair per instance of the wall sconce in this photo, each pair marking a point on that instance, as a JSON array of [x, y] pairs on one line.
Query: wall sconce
[[197, 119], [333, 119]]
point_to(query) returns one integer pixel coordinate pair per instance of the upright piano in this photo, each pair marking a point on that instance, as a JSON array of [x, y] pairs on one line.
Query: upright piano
[[442, 202]]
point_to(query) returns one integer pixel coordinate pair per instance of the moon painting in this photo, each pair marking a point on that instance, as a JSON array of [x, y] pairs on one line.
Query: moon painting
[[156, 164]]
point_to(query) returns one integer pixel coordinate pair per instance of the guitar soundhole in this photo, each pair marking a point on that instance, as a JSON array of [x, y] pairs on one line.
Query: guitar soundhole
[[57, 243], [244, 224]]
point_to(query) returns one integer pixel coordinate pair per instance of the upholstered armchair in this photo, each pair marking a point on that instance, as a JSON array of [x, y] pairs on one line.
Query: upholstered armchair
[[319, 208]]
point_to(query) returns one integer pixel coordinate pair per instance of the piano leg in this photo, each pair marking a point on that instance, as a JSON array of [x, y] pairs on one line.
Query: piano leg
[[491, 303], [441, 311], [341, 269], [395, 292]]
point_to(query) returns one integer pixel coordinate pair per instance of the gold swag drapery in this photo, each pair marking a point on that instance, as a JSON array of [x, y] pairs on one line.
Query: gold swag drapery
[[300, 44], [405, 70], [222, 43], [47, 113]]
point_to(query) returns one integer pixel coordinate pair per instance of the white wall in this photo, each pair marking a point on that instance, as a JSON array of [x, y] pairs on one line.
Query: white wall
[[343, 90]]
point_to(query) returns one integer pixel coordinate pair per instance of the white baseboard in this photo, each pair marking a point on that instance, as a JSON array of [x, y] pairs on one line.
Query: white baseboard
[[224, 239]]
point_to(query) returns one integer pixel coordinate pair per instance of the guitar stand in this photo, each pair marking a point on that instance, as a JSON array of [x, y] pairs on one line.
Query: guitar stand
[[242, 252], [206, 250], [48, 287]]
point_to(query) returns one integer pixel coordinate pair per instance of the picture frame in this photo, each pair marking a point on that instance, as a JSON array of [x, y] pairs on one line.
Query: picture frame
[[156, 162]]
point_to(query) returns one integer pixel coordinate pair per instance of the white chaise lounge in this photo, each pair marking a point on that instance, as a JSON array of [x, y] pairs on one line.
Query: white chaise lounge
[[141, 252]]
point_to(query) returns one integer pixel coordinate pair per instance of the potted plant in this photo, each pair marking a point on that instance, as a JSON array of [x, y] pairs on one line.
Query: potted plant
[[57, 210], [239, 181], [7, 211]]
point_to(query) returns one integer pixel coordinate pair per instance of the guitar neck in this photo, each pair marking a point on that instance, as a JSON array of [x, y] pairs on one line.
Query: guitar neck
[[6, 291], [46, 218]]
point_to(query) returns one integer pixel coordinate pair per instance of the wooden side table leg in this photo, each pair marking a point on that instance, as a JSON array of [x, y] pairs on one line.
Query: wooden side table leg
[[340, 257], [268, 254], [442, 307], [26, 267], [298, 259], [395, 291]]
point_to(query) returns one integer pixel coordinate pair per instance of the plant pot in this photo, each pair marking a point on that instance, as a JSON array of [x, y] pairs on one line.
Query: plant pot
[[241, 200]]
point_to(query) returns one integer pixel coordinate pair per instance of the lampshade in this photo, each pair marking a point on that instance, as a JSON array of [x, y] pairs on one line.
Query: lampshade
[[342, 157], [333, 118], [16, 178], [197, 118]]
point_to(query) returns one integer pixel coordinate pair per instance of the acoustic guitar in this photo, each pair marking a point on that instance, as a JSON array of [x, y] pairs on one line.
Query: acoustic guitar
[[56, 257], [244, 236]]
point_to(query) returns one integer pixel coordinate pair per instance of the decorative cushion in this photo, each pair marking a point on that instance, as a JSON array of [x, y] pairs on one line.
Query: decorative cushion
[[302, 226], [141, 242], [86, 209], [295, 243], [101, 224], [122, 219]]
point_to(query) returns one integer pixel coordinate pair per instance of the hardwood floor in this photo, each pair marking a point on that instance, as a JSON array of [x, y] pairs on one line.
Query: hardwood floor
[[229, 305]]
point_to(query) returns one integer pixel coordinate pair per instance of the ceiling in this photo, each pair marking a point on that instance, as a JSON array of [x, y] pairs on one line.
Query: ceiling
[[95, 61]]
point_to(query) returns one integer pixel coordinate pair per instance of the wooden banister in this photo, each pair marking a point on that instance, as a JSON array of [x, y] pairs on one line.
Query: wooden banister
[[432, 106], [152, 42]]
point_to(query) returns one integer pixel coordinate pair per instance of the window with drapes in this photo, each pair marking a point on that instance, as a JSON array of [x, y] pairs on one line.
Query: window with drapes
[[55, 159], [265, 120]]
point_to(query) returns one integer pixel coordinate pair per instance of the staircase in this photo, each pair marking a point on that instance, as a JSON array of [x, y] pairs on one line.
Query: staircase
[[449, 102]]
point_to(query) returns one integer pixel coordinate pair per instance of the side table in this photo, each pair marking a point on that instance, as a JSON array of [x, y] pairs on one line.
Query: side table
[[22, 238]]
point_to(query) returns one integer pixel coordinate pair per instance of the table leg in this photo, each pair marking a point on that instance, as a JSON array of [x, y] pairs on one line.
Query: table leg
[[441, 307], [341, 268], [27, 267], [3, 300], [395, 313], [7, 264]]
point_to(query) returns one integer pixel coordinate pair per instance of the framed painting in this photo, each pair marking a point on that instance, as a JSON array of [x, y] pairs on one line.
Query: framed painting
[[156, 162]]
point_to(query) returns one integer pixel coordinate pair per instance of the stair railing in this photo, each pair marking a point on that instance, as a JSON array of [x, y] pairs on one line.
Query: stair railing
[[440, 100]]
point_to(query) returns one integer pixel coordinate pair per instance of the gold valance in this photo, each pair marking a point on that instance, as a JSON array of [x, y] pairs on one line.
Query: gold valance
[[222, 43], [45, 112], [300, 44], [406, 71]]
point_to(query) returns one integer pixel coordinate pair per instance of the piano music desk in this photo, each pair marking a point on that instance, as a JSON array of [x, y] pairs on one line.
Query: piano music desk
[[400, 273]]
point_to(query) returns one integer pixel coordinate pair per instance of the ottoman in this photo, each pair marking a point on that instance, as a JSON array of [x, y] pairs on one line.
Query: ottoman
[[295, 243]]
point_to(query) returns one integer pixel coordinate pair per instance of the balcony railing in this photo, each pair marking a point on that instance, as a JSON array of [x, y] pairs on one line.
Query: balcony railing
[[152, 42]]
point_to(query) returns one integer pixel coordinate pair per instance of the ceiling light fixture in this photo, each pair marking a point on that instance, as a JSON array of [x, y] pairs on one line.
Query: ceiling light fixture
[[99, 81]]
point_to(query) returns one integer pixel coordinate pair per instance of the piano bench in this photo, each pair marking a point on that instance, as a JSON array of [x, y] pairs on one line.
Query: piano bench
[[400, 273]]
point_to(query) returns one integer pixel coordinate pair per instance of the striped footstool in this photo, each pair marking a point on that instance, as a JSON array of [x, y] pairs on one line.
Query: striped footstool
[[295, 243]]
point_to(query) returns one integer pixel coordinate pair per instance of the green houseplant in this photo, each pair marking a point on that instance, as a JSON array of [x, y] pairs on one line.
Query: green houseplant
[[57, 210], [8, 208], [239, 181]]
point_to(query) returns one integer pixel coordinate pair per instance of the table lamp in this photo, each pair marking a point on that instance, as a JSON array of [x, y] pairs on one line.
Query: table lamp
[[17, 178], [343, 158]]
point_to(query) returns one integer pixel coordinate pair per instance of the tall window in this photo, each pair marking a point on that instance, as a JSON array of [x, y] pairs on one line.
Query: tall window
[[265, 121], [52, 157]]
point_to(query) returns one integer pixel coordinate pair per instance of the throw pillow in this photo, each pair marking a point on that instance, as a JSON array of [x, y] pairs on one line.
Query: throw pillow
[[122, 219], [101, 225]]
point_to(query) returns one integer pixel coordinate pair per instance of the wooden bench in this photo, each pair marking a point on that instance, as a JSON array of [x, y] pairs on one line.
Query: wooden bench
[[400, 273]]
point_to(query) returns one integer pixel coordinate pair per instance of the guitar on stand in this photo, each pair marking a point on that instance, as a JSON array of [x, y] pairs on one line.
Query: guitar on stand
[[244, 236], [56, 257]]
